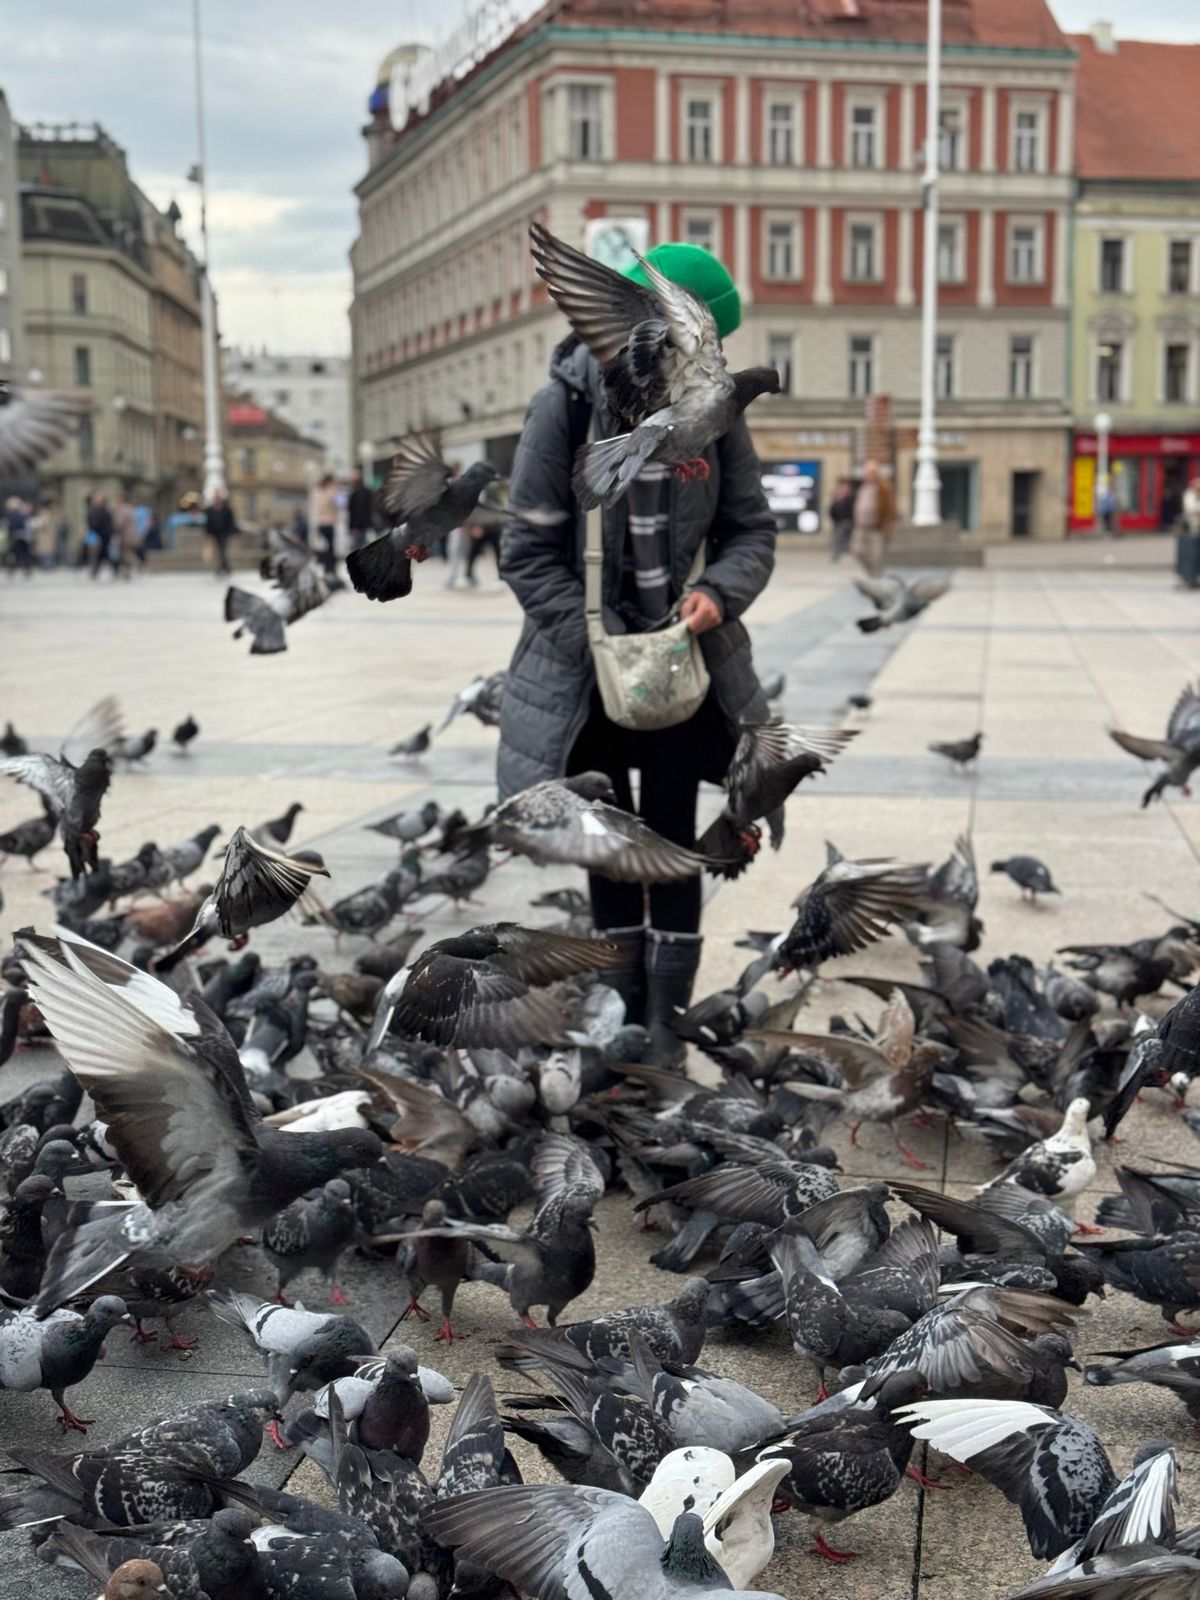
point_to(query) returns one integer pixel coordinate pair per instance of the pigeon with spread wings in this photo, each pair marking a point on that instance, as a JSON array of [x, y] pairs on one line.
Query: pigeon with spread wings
[[664, 370], [1180, 749], [33, 422], [300, 586], [847, 907], [895, 600], [256, 885], [73, 783], [166, 1081]]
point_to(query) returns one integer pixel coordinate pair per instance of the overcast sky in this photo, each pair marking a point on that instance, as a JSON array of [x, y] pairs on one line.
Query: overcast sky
[[286, 85]]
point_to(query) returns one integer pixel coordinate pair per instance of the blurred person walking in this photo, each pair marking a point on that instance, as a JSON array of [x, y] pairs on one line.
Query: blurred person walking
[[17, 516], [841, 515], [483, 536], [324, 519], [99, 537], [1106, 505], [1187, 546], [221, 526], [873, 514], [126, 541], [360, 510]]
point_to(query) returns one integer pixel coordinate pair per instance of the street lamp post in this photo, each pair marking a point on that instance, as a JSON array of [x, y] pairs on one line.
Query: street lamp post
[[1103, 429], [214, 460], [927, 487]]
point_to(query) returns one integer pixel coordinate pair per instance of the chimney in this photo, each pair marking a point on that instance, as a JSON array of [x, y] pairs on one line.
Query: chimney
[[1102, 38]]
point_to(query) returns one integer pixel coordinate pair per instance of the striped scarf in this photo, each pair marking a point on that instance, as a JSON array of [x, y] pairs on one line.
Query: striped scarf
[[646, 562]]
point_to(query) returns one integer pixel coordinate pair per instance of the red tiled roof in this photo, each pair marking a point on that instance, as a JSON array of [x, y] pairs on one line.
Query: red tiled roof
[[1137, 111]]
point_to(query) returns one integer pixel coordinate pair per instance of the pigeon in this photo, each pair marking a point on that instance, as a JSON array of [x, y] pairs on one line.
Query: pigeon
[[773, 1193], [663, 367], [383, 961], [300, 585], [409, 826], [368, 911], [279, 829], [427, 503], [416, 744], [458, 880], [1161, 1272], [166, 1080], [672, 1333], [577, 822], [136, 746], [188, 855], [773, 688], [256, 885], [135, 1580], [1052, 1466], [34, 422], [1057, 1167], [386, 1402], [167, 921], [1179, 750], [896, 600], [73, 783], [959, 753], [22, 1246], [11, 742], [304, 1349], [482, 698], [844, 1458], [56, 1353], [847, 907], [30, 838], [769, 761], [1174, 1366], [184, 733], [205, 1560], [488, 988], [324, 1567], [438, 1261], [703, 1408], [1128, 971], [947, 911], [313, 1231], [558, 1540], [475, 1457], [145, 871], [1030, 875], [859, 702]]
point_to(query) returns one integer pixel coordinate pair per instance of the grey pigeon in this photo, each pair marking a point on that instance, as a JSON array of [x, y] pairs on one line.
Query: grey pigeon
[[663, 366], [300, 585], [773, 1193], [33, 423], [896, 600], [323, 1567], [673, 1333], [11, 742], [256, 885], [277, 830], [167, 1082], [460, 878], [58, 1352], [959, 753], [205, 1560], [1161, 1272], [1030, 875], [314, 1231], [946, 914], [74, 793], [577, 822], [184, 858], [436, 1261], [482, 698], [704, 1408], [847, 907], [1049, 1464], [184, 733], [1179, 750], [409, 826], [147, 870], [488, 988], [136, 746], [1174, 1366], [30, 838], [553, 1541], [304, 1349], [385, 960], [369, 910], [415, 745]]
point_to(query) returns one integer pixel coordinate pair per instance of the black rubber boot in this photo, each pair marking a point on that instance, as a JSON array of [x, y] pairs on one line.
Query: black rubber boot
[[628, 979], [671, 963]]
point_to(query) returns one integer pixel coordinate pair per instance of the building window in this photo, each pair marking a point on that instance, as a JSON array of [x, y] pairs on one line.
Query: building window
[[1179, 266], [862, 365], [282, 396], [87, 441], [1024, 253], [699, 122], [1020, 366], [781, 355], [79, 298], [1112, 266], [943, 367], [83, 367], [1027, 140], [950, 252], [246, 462], [864, 135], [781, 133], [1175, 374], [1109, 357], [585, 121], [782, 253], [863, 253], [952, 143], [700, 230]]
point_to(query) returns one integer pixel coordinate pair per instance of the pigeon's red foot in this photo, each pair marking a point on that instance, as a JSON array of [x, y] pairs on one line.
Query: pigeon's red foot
[[415, 1309], [1086, 1227], [751, 837], [445, 1334], [240, 943], [200, 1275], [822, 1393], [140, 1335], [272, 1432], [683, 471], [1184, 1333], [282, 1300], [528, 1321], [337, 1298], [822, 1548], [647, 1225], [69, 1422], [701, 469], [911, 1160], [417, 552], [779, 1505], [179, 1341], [918, 1477], [922, 1119], [854, 1133]]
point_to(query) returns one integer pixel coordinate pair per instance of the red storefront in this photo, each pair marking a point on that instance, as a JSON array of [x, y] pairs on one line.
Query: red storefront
[[1146, 469]]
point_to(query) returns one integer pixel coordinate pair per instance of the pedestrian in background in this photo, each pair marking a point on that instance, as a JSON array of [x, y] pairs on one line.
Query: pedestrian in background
[[360, 510], [1106, 505], [17, 513], [483, 536], [299, 526], [841, 515], [873, 512], [62, 540], [126, 540], [1187, 546], [99, 533], [324, 519], [220, 525]]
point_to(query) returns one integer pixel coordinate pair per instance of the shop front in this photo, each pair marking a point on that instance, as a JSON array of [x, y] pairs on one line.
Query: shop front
[[1149, 472]]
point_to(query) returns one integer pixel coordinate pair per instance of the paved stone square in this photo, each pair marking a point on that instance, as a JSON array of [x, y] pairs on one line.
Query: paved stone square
[[1042, 656]]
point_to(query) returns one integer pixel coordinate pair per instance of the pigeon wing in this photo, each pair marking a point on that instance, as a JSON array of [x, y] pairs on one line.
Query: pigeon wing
[[418, 477], [561, 1165], [1144, 749], [33, 422], [46, 775], [101, 728], [258, 884], [602, 306], [619, 846], [1183, 725]]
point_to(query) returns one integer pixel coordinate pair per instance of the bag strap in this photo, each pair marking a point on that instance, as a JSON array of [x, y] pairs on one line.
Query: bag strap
[[593, 562]]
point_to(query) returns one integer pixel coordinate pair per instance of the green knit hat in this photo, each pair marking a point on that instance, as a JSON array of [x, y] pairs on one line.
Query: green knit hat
[[697, 269]]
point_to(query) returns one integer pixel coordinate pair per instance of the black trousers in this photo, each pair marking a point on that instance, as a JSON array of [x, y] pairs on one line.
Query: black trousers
[[671, 763], [329, 554], [489, 539]]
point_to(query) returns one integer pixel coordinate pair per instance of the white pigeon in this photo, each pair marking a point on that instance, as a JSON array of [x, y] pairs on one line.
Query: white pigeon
[[738, 1531], [344, 1110], [1056, 1168], [357, 1389], [693, 1479]]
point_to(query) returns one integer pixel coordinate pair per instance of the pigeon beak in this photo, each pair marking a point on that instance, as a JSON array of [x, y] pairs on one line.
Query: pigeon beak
[[1073, 1363]]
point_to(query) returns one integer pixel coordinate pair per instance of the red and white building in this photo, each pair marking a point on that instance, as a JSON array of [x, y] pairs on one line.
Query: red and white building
[[788, 139]]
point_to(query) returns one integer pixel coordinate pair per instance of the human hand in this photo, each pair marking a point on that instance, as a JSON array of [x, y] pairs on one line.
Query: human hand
[[700, 611]]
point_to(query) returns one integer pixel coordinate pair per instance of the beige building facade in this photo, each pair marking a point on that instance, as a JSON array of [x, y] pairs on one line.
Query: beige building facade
[[270, 466]]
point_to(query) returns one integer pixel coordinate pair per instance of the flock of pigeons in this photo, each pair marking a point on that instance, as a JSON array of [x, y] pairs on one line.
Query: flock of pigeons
[[456, 1112]]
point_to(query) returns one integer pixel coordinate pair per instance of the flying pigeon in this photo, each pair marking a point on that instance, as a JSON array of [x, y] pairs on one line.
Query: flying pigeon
[[847, 907], [482, 698], [33, 422], [896, 600], [1179, 749], [73, 783]]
